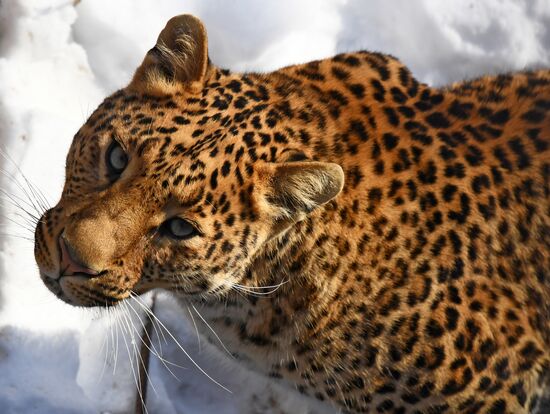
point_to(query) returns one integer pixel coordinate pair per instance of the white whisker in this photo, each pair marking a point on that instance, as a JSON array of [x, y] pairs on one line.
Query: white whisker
[[196, 329], [151, 347], [214, 332], [104, 348], [137, 333], [134, 374], [186, 353], [278, 285], [258, 291]]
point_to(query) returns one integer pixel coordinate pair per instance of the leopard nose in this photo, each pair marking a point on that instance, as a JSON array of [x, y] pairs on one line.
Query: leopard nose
[[70, 264]]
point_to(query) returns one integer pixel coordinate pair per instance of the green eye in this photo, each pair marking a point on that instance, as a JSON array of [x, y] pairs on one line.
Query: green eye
[[178, 228], [116, 159]]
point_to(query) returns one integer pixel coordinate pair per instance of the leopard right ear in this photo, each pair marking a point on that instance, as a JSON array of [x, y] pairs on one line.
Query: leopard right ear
[[179, 58], [295, 189]]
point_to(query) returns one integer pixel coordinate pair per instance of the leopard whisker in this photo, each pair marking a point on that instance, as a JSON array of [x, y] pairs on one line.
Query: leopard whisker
[[26, 219], [17, 223], [151, 347], [196, 328], [151, 316], [246, 292], [17, 236], [112, 326], [178, 344], [158, 331], [238, 292], [118, 332], [213, 331], [115, 332], [138, 334], [250, 289], [104, 348], [28, 198], [278, 285], [253, 293], [213, 206], [39, 195], [22, 221], [37, 204], [142, 375], [134, 374], [19, 203]]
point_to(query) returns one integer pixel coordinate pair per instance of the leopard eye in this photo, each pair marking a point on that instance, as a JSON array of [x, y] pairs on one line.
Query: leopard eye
[[116, 159], [178, 228]]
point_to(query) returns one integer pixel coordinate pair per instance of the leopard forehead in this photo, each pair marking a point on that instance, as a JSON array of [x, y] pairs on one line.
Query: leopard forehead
[[226, 129]]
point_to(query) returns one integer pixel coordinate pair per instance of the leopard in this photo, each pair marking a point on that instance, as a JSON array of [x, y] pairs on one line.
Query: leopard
[[374, 243]]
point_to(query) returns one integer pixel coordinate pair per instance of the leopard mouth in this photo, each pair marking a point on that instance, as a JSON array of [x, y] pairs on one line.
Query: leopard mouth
[[75, 290], [181, 290]]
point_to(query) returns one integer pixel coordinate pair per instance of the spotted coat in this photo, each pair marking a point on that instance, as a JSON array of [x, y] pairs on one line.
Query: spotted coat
[[368, 240]]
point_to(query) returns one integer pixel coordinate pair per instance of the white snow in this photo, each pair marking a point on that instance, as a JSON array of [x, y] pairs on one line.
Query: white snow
[[58, 60]]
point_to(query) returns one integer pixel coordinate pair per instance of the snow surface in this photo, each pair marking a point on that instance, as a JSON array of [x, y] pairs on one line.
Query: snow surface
[[58, 60]]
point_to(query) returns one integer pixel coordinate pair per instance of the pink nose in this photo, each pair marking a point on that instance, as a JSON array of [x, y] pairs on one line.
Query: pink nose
[[69, 264]]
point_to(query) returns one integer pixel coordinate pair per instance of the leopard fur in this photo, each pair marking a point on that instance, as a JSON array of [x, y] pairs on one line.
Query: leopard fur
[[365, 239]]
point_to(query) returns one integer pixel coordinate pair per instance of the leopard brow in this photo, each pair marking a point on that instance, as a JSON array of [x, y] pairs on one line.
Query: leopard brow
[[193, 199]]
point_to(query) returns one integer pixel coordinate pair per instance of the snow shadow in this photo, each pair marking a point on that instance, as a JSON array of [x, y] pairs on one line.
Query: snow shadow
[[39, 374]]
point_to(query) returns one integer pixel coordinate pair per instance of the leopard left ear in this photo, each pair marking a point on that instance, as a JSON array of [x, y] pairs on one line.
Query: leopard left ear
[[179, 58], [295, 189]]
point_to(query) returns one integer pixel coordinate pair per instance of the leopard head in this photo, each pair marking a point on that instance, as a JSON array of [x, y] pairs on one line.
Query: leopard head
[[170, 185]]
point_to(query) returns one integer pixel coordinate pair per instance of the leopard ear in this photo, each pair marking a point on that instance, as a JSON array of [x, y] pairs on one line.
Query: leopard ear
[[180, 57], [295, 189]]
